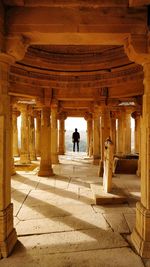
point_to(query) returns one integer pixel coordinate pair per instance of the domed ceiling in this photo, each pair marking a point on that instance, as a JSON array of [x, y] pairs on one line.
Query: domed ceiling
[[75, 58]]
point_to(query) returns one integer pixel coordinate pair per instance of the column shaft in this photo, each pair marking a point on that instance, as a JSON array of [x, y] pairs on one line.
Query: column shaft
[[141, 233], [127, 133], [120, 133], [113, 132], [32, 150], [38, 134], [89, 135], [61, 136], [54, 135], [24, 151], [96, 138], [45, 163], [15, 114], [8, 235]]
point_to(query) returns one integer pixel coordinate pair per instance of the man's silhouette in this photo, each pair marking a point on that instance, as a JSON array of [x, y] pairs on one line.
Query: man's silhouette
[[76, 139]]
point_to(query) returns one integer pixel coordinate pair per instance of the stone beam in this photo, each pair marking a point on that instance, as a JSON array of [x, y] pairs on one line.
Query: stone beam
[[136, 3], [76, 26], [75, 112], [23, 90], [63, 3], [75, 104]]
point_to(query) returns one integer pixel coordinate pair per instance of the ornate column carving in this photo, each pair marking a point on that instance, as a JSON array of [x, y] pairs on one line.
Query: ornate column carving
[[45, 163], [54, 133], [38, 133], [96, 136], [24, 151], [8, 235], [15, 114], [62, 117], [141, 233], [32, 150]]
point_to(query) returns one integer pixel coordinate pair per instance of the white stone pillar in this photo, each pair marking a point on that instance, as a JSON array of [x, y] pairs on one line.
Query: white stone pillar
[[54, 133], [8, 235], [141, 233], [24, 151], [45, 163]]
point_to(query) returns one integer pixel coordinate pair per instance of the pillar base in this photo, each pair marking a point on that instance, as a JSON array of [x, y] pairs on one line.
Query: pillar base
[[25, 159], [33, 157], [61, 152], [8, 236], [54, 159], [46, 172], [140, 236], [13, 171], [96, 161]]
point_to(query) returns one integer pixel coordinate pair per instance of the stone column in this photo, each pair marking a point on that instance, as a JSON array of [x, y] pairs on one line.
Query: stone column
[[104, 134], [96, 137], [32, 150], [54, 133], [120, 133], [24, 151], [137, 133], [113, 130], [137, 138], [141, 233], [13, 171], [45, 163], [15, 114], [8, 235], [89, 135], [88, 118], [127, 132], [62, 117], [38, 133]]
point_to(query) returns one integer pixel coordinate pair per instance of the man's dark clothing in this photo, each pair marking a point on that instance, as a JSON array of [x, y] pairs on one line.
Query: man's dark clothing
[[76, 139]]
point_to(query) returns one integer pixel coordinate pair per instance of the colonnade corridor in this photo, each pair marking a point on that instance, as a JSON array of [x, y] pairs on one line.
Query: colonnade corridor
[[58, 224]]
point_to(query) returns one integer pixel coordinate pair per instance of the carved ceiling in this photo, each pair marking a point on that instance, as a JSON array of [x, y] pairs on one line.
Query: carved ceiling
[[76, 57]]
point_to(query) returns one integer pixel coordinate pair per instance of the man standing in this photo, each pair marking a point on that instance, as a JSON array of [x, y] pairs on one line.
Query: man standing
[[76, 139]]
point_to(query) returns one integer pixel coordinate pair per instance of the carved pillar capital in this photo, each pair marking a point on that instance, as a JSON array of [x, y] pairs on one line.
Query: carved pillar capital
[[136, 48], [16, 46]]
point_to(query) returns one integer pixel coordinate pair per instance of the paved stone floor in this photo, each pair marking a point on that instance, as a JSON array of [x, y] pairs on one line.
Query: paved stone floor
[[58, 224]]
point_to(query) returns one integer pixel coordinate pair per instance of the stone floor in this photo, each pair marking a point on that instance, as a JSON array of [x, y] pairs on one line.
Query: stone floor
[[58, 224]]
